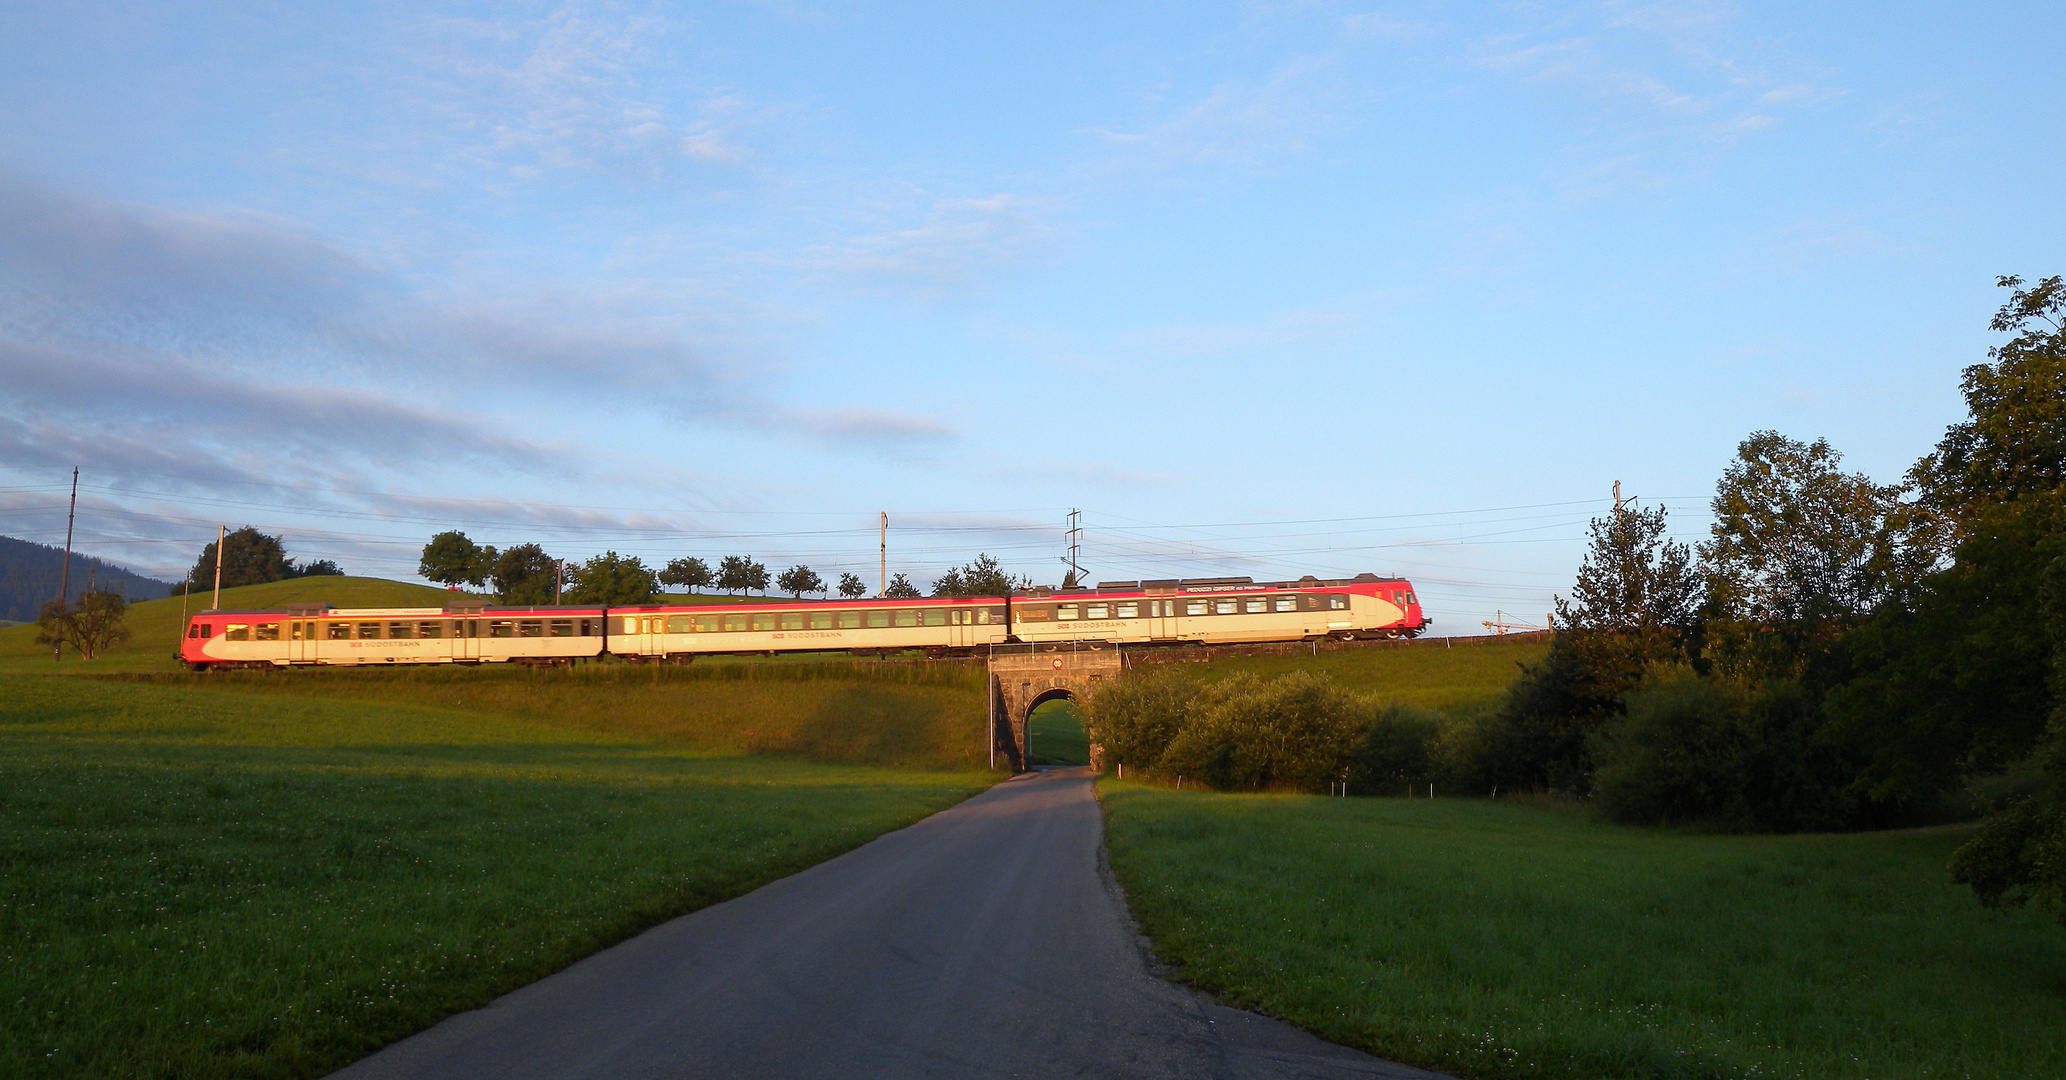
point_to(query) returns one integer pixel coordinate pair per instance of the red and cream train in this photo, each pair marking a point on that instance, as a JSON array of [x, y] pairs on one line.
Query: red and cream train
[[1197, 611]]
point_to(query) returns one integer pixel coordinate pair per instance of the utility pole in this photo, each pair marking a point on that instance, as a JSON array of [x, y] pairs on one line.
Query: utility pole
[[885, 569], [559, 574], [216, 604], [64, 574], [1075, 548], [1617, 496]]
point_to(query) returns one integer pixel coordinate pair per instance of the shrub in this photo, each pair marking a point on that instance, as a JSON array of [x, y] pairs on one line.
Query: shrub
[[1700, 750], [1135, 718], [1246, 734], [1397, 747]]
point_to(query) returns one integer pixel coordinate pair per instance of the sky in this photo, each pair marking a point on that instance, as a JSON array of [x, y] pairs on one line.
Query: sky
[[1264, 289]]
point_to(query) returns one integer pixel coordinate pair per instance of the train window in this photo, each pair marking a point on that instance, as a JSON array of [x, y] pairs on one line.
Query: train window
[[821, 620], [1035, 613], [850, 620], [1254, 604], [296, 630], [878, 618], [907, 616], [990, 616], [1286, 603], [194, 630], [563, 628], [401, 630], [735, 623], [792, 620], [1098, 611], [338, 631], [1066, 613], [1194, 607], [237, 632], [1337, 602], [507, 627], [266, 631], [432, 629], [1128, 611], [764, 620], [936, 616], [531, 628], [1225, 607], [591, 627], [207, 631], [680, 624], [706, 624], [1409, 596]]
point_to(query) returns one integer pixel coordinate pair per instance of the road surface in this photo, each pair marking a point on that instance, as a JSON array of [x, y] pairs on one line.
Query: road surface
[[984, 941]]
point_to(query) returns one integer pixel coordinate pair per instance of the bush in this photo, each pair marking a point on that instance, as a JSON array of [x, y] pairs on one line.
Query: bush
[[1134, 718], [1246, 734], [1693, 750], [1397, 747]]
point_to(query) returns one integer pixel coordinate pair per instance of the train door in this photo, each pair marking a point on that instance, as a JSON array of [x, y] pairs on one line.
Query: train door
[[466, 639], [1162, 620], [649, 629], [301, 643], [961, 627]]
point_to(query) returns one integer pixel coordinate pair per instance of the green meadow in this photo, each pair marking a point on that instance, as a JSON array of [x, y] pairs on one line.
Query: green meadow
[[1502, 940], [272, 874]]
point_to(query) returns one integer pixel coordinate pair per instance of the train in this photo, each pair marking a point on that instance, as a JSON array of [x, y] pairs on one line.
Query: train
[[1196, 611]]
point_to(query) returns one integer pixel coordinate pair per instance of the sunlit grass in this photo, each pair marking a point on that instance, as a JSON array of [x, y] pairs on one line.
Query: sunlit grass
[[1055, 734], [1498, 940], [201, 883], [1462, 677]]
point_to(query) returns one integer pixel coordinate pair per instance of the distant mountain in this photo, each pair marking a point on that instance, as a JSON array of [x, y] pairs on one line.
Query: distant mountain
[[29, 575]]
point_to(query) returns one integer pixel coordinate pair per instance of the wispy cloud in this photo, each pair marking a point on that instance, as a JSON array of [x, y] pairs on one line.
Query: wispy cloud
[[1247, 124]]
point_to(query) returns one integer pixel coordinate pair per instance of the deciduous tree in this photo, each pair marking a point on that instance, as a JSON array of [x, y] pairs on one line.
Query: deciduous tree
[[983, 576], [91, 626], [798, 580], [687, 574], [452, 559], [850, 586], [612, 579], [524, 574], [900, 588], [738, 573], [249, 557]]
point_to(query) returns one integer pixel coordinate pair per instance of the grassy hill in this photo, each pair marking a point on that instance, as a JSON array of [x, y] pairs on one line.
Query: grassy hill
[[155, 625]]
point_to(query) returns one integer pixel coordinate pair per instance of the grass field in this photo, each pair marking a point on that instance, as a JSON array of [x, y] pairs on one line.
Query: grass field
[[244, 881], [1461, 678], [1500, 940]]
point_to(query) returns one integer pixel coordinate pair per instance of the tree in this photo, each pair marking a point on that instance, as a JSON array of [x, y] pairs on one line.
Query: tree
[[1633, 605], [91, 626], [901, 589], [798, 580], [688, 574], [611, 579], [983, 576], [524, 574], [737, 573], [249, 557], [452, 559], [1956, 679], [1797, 545], [319, 568], [850, 586]]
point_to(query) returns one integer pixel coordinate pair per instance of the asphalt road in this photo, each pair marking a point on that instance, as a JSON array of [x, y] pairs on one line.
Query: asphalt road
[[984, 941]]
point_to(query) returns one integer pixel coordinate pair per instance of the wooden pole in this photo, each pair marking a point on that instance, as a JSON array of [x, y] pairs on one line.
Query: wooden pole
[[64, 574], [217, 602], [885, 568]]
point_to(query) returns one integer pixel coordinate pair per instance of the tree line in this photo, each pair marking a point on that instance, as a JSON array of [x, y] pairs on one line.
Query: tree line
[[1837, 654], [526, 574]]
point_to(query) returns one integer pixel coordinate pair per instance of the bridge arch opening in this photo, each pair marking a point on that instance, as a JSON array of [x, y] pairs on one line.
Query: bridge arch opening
[[1055, 729]]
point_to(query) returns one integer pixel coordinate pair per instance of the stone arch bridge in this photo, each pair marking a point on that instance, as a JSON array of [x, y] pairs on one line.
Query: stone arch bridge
[[1023, 676]]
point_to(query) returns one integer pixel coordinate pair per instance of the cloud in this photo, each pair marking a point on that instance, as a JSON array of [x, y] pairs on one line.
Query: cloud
[[938, 241], [1252, 125], [563, 91]]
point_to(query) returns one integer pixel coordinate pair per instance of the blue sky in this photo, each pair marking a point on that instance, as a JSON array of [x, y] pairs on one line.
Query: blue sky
[[1261, 288]]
